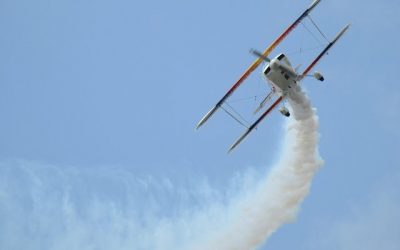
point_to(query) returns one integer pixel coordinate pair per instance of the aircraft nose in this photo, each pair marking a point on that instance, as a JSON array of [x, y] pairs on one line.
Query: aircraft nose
[[274, 64]]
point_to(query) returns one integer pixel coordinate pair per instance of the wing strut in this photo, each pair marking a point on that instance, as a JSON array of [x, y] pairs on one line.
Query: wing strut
[[254, 125], [257, 62], [316, 60]]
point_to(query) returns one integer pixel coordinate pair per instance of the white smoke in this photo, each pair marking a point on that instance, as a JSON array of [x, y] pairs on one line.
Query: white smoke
[[53, 207], [278, 197]]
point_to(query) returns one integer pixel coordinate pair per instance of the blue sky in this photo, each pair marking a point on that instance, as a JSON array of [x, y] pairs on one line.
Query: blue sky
[[103, 96]]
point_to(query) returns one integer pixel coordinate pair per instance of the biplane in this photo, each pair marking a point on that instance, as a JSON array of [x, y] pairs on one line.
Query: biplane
[[278, 72]]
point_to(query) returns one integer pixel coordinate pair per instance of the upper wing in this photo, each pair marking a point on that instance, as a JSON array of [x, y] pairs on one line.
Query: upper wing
[[257, 62], [308, 69]]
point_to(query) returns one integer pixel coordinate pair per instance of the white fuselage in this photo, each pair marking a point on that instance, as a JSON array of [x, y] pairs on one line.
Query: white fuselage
[[280, 73]]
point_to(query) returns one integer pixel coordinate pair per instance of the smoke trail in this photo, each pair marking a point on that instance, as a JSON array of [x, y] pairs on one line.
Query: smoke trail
[[59, 207], [277, 198]]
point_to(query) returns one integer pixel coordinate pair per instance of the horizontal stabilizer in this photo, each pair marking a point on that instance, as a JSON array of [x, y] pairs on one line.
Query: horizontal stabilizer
[[262, 104]]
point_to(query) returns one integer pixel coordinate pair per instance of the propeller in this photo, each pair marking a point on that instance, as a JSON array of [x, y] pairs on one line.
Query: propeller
[[260, 55]]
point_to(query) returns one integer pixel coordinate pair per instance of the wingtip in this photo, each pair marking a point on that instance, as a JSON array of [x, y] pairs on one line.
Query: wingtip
[[347, 26], [207, 116], [230, 150], [313, 4], [341, 32], [233, 146], [239, 140], [201, 122]]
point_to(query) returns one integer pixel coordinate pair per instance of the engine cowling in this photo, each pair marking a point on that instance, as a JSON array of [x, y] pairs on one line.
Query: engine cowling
[[319, 76], [284, 111]]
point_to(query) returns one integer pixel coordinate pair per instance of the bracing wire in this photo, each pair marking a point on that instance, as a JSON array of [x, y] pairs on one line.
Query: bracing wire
[[312, 34], [304, 50], [237, 113], [234, 117], [244, 99], [319, 30]]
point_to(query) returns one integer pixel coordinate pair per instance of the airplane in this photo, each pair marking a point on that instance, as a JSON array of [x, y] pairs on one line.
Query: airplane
[[278, 72]]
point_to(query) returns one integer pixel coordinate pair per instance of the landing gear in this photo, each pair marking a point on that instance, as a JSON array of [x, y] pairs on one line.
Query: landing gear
[[284, 111], [319, 76]]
